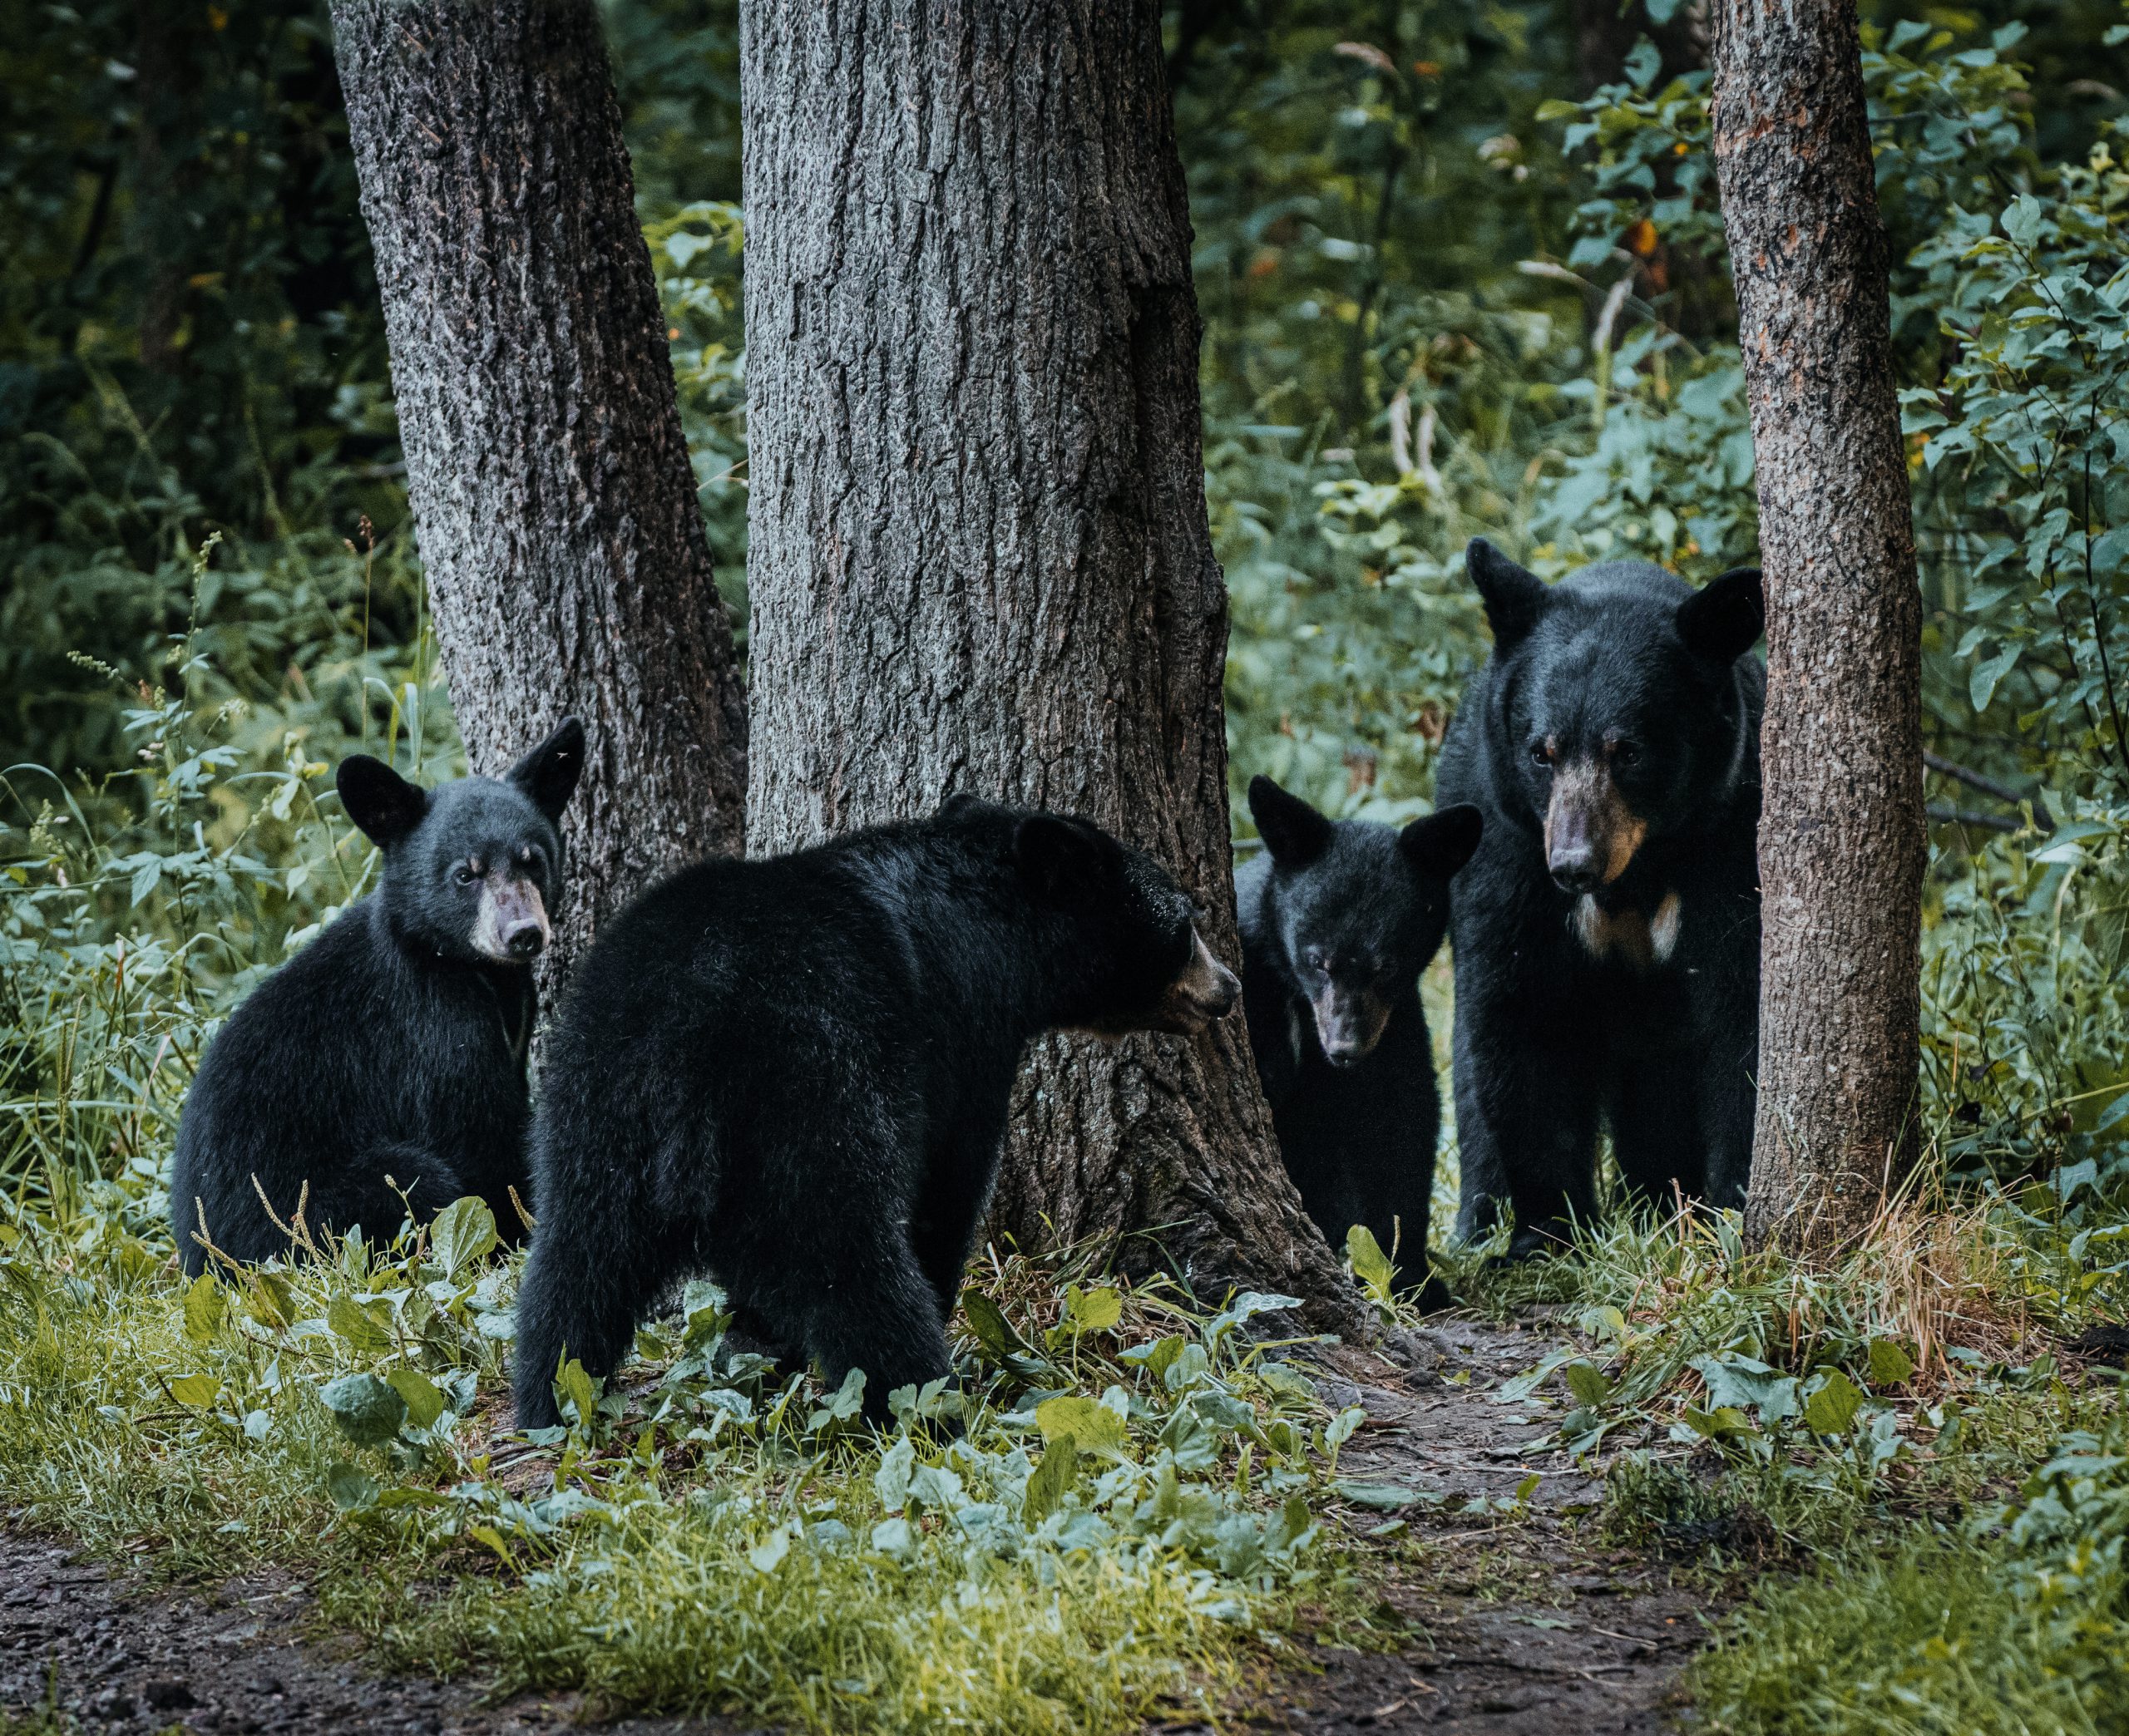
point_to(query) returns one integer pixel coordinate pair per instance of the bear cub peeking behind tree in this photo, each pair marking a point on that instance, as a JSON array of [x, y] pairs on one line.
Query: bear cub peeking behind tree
[[793, 1074], [1607, 933], [1338, 920], [388, 1055]]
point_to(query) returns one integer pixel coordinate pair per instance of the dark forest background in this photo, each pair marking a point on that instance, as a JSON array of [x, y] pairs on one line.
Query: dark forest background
[[1460, 271]]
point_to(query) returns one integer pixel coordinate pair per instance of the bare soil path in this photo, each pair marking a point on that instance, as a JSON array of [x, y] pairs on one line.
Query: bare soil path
[[1515, 1621]]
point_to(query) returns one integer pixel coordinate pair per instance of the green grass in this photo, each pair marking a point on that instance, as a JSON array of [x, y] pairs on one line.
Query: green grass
[[1931, 1637], [1129, 1516]]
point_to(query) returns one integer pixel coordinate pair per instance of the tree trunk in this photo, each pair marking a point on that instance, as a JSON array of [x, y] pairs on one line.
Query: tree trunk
[[977, 539], [551, 489], [1841, 834]]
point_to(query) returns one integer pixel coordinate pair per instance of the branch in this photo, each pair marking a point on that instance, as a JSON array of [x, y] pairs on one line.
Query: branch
[[1990, 786], [1945, 814]]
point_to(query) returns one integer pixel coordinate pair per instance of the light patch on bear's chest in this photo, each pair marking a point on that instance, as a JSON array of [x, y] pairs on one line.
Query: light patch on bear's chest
[[1628, 937]]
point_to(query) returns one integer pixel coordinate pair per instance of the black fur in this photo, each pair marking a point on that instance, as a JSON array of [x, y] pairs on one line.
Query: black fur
[[1617, 705], [793, 1074], [1338, 920], [391, 1045]]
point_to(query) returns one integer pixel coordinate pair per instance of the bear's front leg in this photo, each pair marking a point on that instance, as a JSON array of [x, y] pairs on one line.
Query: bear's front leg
[[1526, 1121]]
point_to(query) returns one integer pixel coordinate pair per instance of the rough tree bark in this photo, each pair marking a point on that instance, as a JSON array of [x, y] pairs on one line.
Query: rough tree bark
[[552, 493], [978, 548], [1841, 835]]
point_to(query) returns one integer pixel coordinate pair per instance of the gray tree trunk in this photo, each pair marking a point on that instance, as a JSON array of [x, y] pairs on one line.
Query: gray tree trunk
[[552, 494], [978, 549], [1842, 844]]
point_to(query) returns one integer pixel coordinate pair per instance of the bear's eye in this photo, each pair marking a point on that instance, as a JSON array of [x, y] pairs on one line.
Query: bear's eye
[[1541, 753], [1625, 753], [465, 874]]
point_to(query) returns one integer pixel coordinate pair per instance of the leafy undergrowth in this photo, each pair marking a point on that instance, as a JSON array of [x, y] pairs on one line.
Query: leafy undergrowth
[[1872, 1429], [1113, 1509]]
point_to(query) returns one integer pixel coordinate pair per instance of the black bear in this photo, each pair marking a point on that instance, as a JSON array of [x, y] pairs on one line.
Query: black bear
[[393, 1045], [1338, 920], [793, 1074], [1607, 933]]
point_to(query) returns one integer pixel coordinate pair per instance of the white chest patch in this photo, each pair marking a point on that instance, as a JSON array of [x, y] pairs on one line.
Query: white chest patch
[[1628, 937]]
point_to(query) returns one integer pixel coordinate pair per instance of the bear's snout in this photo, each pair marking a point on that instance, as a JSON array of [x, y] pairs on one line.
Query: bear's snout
[[1591, 834], [1205, 992], [512, 926], [1349, 1023]]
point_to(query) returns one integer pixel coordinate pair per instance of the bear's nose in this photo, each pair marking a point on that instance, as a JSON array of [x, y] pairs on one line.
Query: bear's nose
[[1574, 867], [525, 940]]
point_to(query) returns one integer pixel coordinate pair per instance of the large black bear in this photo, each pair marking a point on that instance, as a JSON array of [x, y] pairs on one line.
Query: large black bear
[[393, 1045], [1606, 934], [1338, 920], [793, 1074]]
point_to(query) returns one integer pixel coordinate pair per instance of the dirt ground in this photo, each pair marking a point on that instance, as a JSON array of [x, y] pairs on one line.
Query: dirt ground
[[1515, 1624]]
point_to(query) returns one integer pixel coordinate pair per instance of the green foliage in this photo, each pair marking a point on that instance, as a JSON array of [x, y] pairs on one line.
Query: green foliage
[[2016, 1625], [712, 1532]]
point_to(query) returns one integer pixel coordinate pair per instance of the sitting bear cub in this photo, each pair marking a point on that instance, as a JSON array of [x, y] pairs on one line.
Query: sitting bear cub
[[1338, 920], [1606, 934], [793, 1074], [393, 1045]]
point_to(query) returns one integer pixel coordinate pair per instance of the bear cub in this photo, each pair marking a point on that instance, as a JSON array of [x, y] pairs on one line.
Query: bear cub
[[793, 1074], [1338, 920], [1606, 934], [393, 1045]]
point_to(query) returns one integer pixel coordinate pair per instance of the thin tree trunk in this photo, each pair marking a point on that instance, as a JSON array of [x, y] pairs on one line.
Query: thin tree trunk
[[1841, 833], [551, 489], [165, 173], [977, 539]]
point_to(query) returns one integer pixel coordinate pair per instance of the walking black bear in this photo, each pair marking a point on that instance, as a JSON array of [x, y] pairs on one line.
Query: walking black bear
[[1607, 933], [1338, 920], [393, 1045], [793, 1074]]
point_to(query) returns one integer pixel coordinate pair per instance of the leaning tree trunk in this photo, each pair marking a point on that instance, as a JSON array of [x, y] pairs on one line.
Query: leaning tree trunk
[[1841, 840], [552, 488], [978, 549]]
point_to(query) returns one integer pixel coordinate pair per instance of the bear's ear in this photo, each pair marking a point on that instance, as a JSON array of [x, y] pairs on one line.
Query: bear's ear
[[1061, 861], [1515, 596], [1294, 832], [1724, 618], [959, 803], [1443, 842], [548, 774], [378, 800]]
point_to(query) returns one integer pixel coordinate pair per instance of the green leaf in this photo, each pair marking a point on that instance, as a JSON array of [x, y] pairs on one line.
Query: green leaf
[[424, 1402], [1091, 1310], [199, 1391], [1988, 674], [367, 1411], [1715, 1424], [574, 1386], [272, 1300], [1051, 1482], [352, 1488], [463, 1232], [995, 1333], [2022, 219], [206, 1305], [1083, 1421], [1588, 1383], [768, 1555], [1890, 1365], [1832, 1406], [362, 1330], [1370, 1265], [1384, 1497]]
